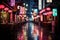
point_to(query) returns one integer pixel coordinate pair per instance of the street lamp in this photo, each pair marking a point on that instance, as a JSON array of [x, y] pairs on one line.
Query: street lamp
[[18, 7], [49, 1], [32, 9], [23, 3], [26, 5]]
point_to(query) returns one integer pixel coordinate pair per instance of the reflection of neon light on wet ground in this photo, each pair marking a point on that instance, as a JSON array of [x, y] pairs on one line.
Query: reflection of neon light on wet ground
[[23, 35], [34, 34], [32, 27], [34, 31], [41, 34]]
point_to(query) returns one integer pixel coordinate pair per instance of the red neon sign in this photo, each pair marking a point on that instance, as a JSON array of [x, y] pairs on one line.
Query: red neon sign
[[2, 6]]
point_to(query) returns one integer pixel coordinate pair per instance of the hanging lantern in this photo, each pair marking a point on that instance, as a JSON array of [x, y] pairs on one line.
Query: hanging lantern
[[49, 12], [2, 6], [10, 11], [48, 9], [6, 9]]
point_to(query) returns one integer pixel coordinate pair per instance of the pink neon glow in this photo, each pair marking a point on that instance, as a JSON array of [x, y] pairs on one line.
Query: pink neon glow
[[20, 37], [49, 12], [41, 35], [9, 10], [41, 17], [21, 10], [20, 15], [6, 9], [53, 23], [2, 6], [11, 17], [48, 9], [15, 18], [12, 2], [42, 11]]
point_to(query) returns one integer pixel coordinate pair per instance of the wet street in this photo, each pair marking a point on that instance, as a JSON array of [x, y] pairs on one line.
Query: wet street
[[26, 31], [34, 31]]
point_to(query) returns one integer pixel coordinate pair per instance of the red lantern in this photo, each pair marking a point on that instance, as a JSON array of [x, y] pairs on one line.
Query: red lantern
[[10, 11], [6, 9], [49, 12], [2, 6], [48, 9]]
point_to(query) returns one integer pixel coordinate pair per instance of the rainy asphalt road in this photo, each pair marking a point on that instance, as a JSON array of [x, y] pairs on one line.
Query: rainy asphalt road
[[12, 31]]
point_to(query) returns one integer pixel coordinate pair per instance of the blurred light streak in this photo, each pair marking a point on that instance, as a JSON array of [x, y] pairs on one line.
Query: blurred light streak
[[40, 4], [35, 32], [54, 12], [22, 10], [12, 2], [15, 18], [49, 1], [23, 3], [36, 10], [2, 6], [32, 27], [41, 17], [41, 34], [11, 15], [43, 3], [44, 13], [48, 9], [10, 11], [20, 37], [43, 10], [6, 9], [18, 7], [26, 5]]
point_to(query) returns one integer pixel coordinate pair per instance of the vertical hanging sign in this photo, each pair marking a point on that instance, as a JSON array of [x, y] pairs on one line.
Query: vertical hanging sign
[[54, 12], [40, 4]]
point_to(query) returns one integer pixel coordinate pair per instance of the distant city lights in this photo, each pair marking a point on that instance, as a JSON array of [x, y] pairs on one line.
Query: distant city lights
[[48, 9], [23, 3], [18, 7], [9, 10], [6, 9], [43, 10], [26, 5], [49, 1], [36, 10]]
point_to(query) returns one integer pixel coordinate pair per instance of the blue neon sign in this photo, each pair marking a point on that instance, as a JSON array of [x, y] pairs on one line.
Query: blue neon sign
[[54, 12]]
